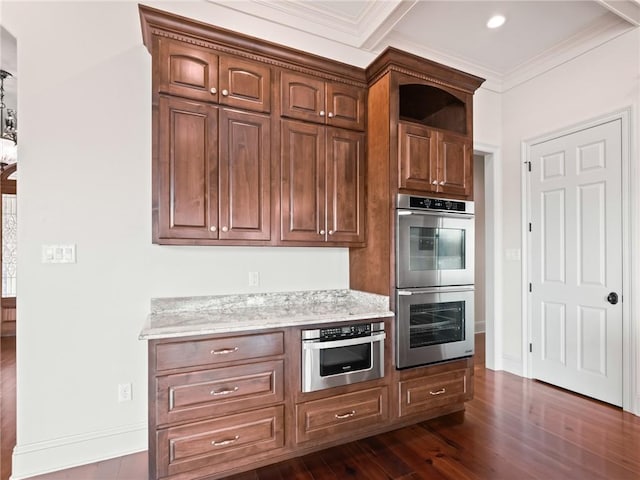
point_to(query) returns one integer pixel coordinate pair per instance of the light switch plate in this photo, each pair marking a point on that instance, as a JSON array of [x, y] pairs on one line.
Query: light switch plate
[[59, 253]]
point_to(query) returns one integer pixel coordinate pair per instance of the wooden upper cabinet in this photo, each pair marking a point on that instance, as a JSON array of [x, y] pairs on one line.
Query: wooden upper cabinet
[[319, 101], [213, 173], [345, 181], [432, 161], [245, 179], [322, 197], [200, 74], [186, 70], [417, 157], [456, 165], [186, 202], [245, 84]]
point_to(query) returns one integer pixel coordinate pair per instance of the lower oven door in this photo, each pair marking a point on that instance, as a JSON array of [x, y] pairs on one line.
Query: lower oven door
[[434, 325]]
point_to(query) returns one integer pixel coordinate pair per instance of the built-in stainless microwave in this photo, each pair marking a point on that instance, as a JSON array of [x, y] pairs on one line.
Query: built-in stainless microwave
[[342, 355]]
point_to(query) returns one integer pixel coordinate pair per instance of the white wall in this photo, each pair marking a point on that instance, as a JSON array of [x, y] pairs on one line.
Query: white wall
[[601, 81], [84, 82]]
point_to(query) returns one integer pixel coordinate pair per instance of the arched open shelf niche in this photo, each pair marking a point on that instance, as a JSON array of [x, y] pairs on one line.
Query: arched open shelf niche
[[433, 107]]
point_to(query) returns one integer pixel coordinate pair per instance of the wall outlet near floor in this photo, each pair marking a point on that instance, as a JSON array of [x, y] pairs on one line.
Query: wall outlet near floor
[[124, 392], [254, 279]]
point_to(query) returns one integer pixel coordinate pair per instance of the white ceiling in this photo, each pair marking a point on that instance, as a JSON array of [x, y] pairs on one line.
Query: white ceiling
[[537, 35]]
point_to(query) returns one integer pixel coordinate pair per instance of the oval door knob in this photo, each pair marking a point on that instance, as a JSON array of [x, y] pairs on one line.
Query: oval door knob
[[321, 232], [225, 229], [330, 115], [330, 232], [442, 182], [225, 92], [612, 298], [213, 229], [214, 90], [435, 182], [322, 113]]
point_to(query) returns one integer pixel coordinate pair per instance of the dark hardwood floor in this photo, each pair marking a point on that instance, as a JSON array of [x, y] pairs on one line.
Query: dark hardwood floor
[[514, 429], [7, 403]]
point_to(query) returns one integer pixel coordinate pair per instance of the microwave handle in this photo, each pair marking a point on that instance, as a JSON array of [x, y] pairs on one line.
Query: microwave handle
[[435, 213], [318, 345]]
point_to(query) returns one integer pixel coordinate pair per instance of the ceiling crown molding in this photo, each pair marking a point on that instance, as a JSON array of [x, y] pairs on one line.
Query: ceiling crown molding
[[350, 23]]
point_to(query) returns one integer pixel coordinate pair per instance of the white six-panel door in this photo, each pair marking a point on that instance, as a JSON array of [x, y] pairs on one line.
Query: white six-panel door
[[576, 261]]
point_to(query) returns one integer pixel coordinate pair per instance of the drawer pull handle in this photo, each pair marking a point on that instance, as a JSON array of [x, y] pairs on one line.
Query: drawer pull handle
[[227, 391], [439, 392], [346, 415], [224, 351], [225, 442]]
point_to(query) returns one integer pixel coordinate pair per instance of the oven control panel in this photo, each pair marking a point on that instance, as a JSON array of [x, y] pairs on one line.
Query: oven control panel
[[435, 204]]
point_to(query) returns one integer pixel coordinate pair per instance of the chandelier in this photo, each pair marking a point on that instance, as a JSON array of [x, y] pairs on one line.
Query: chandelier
[[8, 128]]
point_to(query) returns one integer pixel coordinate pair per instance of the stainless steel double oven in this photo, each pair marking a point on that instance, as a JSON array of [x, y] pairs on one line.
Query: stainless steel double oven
[[434, 280]]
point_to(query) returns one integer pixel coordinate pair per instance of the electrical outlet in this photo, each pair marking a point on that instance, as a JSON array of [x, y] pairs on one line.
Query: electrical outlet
[[254, 279], [124, 392]]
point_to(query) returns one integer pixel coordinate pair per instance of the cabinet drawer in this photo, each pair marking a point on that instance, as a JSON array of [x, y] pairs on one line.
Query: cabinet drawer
[[215, 441], [341, 414], [209, 393], [421, 394], [218, 350]]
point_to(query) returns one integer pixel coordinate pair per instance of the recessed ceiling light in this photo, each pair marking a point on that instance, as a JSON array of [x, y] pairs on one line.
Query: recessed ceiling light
[[496, 21]]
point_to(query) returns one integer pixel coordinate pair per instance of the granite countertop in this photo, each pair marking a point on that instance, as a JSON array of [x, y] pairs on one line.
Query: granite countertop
[[185, 316]]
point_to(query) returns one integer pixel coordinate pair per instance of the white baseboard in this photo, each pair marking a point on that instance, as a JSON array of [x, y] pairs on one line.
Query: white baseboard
[[512, 364], [49, 456]]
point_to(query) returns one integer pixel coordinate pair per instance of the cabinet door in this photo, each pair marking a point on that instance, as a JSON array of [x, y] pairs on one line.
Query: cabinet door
[[187, 173], [302, 169], [456, 165], [345, 106], [245, 180], [345, 186], [187, 71], [245, 84], [417, 157], [303, 97]]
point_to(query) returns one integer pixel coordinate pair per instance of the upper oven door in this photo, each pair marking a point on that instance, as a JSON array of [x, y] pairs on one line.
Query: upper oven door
[[434, 249]]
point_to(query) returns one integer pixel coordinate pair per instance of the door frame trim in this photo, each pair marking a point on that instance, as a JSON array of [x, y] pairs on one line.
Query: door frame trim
[[493, 258], [630, 236]]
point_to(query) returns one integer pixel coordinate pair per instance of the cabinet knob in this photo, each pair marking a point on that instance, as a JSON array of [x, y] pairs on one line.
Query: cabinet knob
[[435, 182], [321, 232], [330, 115], [322, 113], [213, 229], [330, 232], [225, 92], [225, 229], [442, 182], [213, 90]]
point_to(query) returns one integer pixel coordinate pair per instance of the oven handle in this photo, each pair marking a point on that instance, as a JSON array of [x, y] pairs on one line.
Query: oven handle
[[463, 216], [318, 345], [417, 291]]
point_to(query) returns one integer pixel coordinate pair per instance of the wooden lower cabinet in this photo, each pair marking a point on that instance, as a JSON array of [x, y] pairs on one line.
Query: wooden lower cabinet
[[341, 415], [422, 394], [223, 404], [210, 442]]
